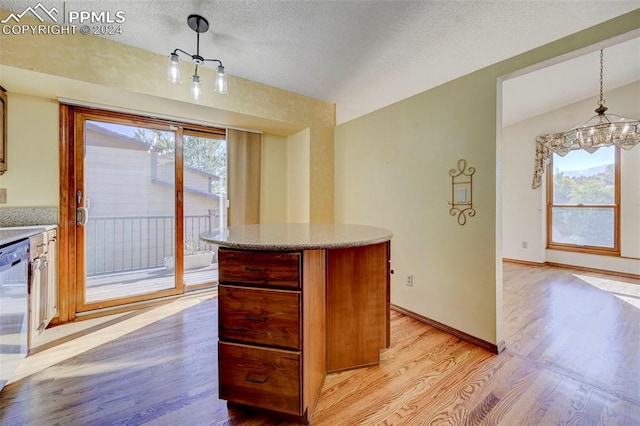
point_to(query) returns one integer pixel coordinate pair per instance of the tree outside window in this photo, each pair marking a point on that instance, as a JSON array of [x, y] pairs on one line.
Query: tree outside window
[[583, 201]]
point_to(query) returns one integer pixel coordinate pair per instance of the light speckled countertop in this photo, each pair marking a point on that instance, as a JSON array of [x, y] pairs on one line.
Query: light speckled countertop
[[12, 234], [296, 236]]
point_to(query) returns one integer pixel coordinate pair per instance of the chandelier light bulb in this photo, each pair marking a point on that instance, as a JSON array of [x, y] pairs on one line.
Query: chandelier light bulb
[[221, 80], [196, 88], [173, 70]]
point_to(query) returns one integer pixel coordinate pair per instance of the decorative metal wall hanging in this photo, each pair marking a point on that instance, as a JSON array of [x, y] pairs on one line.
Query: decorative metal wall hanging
[[462, 192]]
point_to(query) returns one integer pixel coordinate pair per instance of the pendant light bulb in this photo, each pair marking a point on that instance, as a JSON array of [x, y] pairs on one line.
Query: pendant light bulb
[[173, 70], [199, 25], [221, 80], [196, 88]]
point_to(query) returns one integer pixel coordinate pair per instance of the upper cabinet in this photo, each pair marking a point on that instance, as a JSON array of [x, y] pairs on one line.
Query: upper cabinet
[[3, 131]]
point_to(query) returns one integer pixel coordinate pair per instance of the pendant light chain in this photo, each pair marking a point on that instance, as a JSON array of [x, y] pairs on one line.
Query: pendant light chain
[[601, 102]]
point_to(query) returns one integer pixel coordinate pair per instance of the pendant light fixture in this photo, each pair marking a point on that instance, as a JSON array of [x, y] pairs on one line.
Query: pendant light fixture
[[600, 130], [200, 25]]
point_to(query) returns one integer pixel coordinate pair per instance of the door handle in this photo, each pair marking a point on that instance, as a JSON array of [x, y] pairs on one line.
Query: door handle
[[82, 216]]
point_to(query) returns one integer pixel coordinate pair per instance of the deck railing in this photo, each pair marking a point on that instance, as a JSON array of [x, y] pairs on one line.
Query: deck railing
[[133, 243]]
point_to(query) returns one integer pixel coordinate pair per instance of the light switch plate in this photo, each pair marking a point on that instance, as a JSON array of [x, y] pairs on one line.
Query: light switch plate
[[3, 195]]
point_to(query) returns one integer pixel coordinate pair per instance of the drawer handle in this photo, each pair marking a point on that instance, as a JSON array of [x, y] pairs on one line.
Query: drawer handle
[[248, 269], [257, 319], [250, 379]]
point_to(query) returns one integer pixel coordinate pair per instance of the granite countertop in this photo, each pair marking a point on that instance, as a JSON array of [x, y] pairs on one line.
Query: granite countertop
[[296, 236], [11, 234]]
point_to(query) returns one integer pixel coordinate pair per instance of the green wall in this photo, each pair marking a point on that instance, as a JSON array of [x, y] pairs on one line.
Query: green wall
[[392, 170]]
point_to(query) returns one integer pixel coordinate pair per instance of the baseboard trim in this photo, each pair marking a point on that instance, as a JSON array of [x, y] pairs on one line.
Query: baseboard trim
[[578, 268], [523, 262], [496, 349], [594, 270]]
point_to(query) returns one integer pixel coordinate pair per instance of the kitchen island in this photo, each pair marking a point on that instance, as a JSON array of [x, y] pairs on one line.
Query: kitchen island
[[297, 301]]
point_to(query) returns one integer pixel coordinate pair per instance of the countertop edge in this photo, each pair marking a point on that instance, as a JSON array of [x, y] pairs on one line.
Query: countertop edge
[[296, 246], [296, 236], [17, 233]]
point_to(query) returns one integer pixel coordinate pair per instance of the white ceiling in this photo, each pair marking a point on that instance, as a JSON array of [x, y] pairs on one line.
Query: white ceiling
[[364, 54], [572, 80]]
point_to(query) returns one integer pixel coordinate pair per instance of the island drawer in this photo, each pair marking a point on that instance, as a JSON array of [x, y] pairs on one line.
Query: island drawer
[[262, 316], [260, 377], [275, 269]]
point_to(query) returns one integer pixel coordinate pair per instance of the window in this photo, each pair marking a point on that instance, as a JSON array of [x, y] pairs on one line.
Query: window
[[583, 193]]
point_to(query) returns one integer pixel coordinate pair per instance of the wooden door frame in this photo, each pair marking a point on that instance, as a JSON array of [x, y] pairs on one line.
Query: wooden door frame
[[69, 118]]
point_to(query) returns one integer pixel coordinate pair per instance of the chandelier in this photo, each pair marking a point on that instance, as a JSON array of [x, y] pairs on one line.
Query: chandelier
[[200, 25], [600, 130]]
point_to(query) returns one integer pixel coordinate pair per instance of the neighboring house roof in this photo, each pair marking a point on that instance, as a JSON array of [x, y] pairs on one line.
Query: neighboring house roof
[[118, 140]]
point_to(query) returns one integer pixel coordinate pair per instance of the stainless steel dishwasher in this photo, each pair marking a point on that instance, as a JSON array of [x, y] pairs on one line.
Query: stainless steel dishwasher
[[14, 307]]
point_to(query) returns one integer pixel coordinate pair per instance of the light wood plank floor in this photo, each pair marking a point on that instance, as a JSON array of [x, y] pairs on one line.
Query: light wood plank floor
[[572, 358]]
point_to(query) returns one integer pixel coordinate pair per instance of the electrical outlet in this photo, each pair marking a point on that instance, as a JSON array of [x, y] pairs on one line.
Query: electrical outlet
[[525, 244], [3, 195], [409, 281]]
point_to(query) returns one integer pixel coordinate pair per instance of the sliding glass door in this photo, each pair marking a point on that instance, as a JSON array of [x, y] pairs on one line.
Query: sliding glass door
[[144, 191], [205, 202]]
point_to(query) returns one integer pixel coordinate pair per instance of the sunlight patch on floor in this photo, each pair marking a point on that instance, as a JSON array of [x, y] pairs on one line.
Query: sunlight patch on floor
[[69, 349], [94, 368], [627, 292]]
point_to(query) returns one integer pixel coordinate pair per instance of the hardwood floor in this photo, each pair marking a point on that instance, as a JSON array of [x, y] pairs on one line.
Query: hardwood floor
[[572, 357]]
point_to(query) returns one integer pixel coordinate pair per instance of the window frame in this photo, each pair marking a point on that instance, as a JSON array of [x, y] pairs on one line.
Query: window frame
[[588, 249], [72, 119]]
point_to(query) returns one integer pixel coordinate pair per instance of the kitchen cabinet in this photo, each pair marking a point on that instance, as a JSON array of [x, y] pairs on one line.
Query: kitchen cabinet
[[43, 283], [14, 305], [297, 301], [271, 348], [3, 130], [52, 277]]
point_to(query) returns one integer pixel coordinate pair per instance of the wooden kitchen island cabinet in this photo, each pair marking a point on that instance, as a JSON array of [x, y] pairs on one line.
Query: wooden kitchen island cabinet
[[297, 301]]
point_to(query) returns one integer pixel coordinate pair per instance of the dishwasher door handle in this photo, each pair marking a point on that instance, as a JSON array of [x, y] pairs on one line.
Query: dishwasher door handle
[[82, 215]]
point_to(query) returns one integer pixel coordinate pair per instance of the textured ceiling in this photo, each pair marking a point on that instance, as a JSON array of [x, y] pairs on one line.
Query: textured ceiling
[[572, 80], [361, 55]]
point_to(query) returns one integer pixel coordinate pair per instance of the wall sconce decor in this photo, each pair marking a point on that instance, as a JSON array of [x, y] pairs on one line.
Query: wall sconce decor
[[200, 25], [462, 192]]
